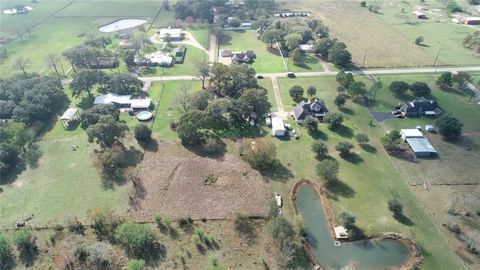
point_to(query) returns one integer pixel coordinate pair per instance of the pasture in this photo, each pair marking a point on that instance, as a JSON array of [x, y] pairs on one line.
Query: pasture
[[366, 178]]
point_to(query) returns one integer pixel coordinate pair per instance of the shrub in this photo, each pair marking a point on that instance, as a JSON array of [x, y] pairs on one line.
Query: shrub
[[449, 126], [445, 81], [6, 255], [136, 265], [347, 219], [340, 100], [472, 242], [420, 89], [142, 132], [214, 264], [213, 146], [312, 91], [419, 40], [395, 207], [100, 255], [391, 141], [296, 92], [333, 120], [158, 219], [320, 149], [344, 148], [362, 138], [138, 239], [453, 227], [328, 169]]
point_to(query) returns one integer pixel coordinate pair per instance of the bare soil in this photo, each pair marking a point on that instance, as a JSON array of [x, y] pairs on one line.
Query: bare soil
[[180, 183]]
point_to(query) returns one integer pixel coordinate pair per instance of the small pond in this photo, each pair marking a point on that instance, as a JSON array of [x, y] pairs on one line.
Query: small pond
[[367, 254], [121, 24]]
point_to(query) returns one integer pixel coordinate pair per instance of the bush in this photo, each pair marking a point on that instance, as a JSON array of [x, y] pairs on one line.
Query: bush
[[453, 227], [399, 87], [419, 40], [445, 81], [234, 22], [362, 138], [333, 120], [24, 240], [6, 255], [340, 100], [320, 149], [328, 169], [347, 219], [312, 91], [472, 242], [391, 141], [142, 132], [395, 207], [344, 148], [449, 126], [214, 264], [158, 219], [420, 89], [138, 239], [213, 146], [296, 92], [261, 154], [100, 255], [136, 265]]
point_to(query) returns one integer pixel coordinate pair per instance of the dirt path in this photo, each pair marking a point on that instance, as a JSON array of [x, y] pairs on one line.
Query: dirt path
[[189, 40], [278, 98], [213, 48]]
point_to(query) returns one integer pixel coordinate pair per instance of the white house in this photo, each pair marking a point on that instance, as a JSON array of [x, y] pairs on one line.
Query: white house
[[160, 59], [411, 133], [278, 128], [173, 33]]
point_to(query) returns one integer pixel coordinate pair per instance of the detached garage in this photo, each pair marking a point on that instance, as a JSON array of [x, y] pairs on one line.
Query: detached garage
[[421, 147], [278, 128]]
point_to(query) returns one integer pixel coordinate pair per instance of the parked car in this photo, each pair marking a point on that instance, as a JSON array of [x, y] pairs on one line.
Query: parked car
[[260, 77], [268, 120], [291, 75], [400, 116], [397, 112]]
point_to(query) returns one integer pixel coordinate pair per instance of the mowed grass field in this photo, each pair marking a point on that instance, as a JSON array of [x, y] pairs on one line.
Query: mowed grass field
[[364, 32], [266, 61], [367, 181]]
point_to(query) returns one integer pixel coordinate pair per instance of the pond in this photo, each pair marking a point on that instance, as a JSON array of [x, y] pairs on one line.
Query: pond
[[121, 24], [366, 254]]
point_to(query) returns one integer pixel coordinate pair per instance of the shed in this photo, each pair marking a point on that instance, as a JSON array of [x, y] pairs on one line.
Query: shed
[[471, 20], [421, 147], [278, 199], [419, 15], [340, 232], [411, 133], [70, 115], [278, 129], [138, 104], [113, 99], [308, 48]]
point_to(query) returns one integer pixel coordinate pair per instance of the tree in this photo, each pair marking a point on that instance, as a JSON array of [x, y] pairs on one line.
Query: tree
[[396, 207], [399, 87], [142, 133], [323, 45], [311, 123], [340, 100], [271, 36], [296, 92], [461, 78], [391, 141], [234, 22], [253, 100], [420, 89], [25, 241], [445, 81], [53, 60], [344, 148], [328, 169], [292, 40], [320, 149], [82, 56], [123, 84], [449, 126], [91, 116], [362, 138], [189, 125], [357, 89], [136, 265], [85, 80], [419, 40], [363, 3], [138, 239], [203, 73], [296, 56], [333, 120], [344, 79], [374, 89], [260, 153], [6, 109], [219, 32], [106, 131], [339, 55], [21, 63], [347, 219], [230, 81], [98, 42], [311, 91], [6, 255], [199, 100]]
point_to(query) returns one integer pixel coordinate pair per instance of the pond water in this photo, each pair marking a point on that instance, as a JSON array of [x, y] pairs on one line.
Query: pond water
[[368, 254], [121, 24]]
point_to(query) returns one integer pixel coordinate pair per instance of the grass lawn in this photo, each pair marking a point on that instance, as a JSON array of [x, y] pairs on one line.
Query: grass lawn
[[454, 102], [117, 9], [201, 34], [167, 105], [367, 178], [267, 84]]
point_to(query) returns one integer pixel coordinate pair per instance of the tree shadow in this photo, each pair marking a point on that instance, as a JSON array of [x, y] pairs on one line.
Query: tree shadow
[[225, 40], [423, 45], [28, 256], [132, 157], [353, 158], [150, 145], [11, 176], [156, 254], [404, 220], [346, 110], [216, 148], [368, 148], [345, 131], [278, 172], [318, 135], [338, 188]]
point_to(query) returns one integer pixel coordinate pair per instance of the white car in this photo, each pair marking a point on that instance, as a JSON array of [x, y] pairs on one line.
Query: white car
[[268, 120]]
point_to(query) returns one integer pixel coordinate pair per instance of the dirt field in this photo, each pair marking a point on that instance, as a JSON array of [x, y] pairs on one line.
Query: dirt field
[[180, 183], [363, 31]]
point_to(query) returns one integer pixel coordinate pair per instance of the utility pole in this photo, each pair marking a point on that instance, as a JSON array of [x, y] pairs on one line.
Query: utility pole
[[364, 57], [436, 58]]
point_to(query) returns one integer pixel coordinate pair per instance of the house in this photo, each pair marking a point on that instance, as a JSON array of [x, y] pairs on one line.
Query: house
[[124, 101], [105, 62], [172, 33], [159, 59], [471, 20], [140, 104], [180, 51], [419, 15], [243, 57], [308, 48], [278, 128], [69, 116], [421, 107], [417, 142], [315, 108]]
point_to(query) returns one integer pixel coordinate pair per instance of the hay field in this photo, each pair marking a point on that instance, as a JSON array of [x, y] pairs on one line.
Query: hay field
[[362, 31]]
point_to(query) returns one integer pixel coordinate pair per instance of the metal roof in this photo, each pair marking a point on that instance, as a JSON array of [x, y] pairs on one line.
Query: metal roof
[[69, 114], [420, 145]]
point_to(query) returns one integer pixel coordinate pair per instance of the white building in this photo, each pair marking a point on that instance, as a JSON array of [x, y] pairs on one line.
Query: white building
[[278, 128], [173, 33], [125, 101], [411, 133], [160, 59]]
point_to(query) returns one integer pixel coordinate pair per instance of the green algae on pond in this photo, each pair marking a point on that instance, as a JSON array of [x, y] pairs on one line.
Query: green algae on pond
[[365, 254]]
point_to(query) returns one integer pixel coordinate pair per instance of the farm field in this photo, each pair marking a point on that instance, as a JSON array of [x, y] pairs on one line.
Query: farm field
[[369, 178], [266, 61]]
